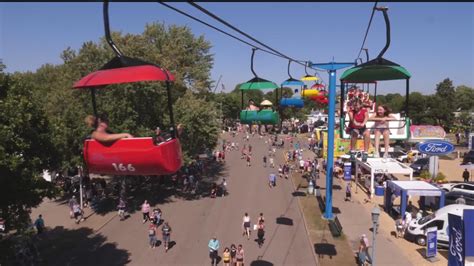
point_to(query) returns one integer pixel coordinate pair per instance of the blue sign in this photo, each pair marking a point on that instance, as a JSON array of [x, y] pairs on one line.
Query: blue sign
[[456, 240], [468, 218], [347, 171], [435, 147], [431, 242]]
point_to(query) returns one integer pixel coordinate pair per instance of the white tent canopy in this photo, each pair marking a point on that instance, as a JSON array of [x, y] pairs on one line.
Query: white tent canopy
[[382, 166], [415, 188]]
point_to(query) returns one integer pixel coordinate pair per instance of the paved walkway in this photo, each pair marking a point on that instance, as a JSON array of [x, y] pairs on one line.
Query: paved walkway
[[194, 222], [356, 220]]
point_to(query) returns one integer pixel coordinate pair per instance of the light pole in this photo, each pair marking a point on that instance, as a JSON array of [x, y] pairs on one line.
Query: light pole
[[375, 223], [80, 172]]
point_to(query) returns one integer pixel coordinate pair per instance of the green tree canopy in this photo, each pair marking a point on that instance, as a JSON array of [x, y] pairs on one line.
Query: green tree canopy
[[201, 122], [26, 149]]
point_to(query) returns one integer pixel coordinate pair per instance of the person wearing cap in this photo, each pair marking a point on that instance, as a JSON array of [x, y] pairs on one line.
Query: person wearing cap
[[213, 249]]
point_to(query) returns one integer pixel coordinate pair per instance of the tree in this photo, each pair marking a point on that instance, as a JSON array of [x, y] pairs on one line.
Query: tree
[[26, 148], [445, 90], [395, 102], [201, 122], [418, 108], [464, 98]]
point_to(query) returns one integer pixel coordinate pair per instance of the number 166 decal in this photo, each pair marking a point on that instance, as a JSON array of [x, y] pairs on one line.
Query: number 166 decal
[[122, 168]]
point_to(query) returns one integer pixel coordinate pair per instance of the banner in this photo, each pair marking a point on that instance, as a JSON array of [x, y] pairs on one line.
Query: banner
[[426, 132], [431, 242], [347, 171], [469, 237], [456, 240]]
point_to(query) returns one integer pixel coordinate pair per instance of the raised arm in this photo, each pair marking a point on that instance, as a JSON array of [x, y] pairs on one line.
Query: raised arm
[[105, 137]]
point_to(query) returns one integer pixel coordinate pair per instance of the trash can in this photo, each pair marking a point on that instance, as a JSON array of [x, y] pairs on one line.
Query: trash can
[[379, 190]]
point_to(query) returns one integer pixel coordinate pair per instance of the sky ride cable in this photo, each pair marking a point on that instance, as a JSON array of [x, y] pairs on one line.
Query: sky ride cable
[[205, 11], [216, 28]]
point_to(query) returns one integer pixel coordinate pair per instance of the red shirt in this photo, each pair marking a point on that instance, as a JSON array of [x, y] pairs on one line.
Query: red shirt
[[358, 117]]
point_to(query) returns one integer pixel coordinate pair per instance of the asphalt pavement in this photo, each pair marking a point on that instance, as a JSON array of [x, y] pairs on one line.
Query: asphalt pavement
[[195, 221]]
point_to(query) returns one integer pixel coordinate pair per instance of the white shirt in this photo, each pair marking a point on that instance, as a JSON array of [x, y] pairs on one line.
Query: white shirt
[[246, 219], [301, 163]]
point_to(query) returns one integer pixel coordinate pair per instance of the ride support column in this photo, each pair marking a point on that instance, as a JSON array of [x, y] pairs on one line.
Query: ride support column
[[330, 148]]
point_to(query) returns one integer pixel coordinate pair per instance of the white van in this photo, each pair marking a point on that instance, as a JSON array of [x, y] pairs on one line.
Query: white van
[[417, 229]]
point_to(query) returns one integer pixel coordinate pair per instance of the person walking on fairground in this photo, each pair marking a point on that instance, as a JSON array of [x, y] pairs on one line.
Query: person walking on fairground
[[152, 235], [121, 209], [146, 211], [233, 253], [246, 225], [166, 230], [272, 164], [260, 233], [399, 226], [348, 192], [71, 203], [406, 222], [363, 249], [243, 151], [226, 256], [264, 161], [239, 256], [77, 212], [39, 224], [465, 175], [213, 250], [248, 160], [250, 149], [272, 180]]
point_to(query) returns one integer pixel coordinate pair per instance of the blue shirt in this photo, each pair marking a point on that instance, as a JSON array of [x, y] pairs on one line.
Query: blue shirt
[[272, 177], [213, 244]]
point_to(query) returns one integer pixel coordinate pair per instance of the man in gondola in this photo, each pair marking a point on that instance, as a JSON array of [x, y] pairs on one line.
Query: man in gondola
[[158, 136]]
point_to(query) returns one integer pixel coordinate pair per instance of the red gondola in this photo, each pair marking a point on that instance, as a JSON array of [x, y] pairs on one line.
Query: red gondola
[[133, 156], [136, 156]]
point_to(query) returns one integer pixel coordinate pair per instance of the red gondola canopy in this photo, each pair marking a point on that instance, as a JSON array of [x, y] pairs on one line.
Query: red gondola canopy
[[124, 70]]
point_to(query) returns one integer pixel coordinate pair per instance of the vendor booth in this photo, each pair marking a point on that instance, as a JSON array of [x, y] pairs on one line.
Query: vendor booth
[[410, 188], [386, 166]]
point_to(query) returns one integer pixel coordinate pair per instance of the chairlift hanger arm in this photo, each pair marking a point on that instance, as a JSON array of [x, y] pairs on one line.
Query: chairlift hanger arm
[[107, 30], [289, 74], [366, 54], [387, 27], [251, 62]]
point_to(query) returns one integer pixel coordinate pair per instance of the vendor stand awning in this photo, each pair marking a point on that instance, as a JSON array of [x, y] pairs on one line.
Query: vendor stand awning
[[411, 188], [382, 166]]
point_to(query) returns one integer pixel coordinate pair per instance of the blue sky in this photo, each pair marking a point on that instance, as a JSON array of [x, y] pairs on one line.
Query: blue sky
[[432, 40]]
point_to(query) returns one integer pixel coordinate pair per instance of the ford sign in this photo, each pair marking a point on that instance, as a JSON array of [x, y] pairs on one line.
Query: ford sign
[[435, 147]]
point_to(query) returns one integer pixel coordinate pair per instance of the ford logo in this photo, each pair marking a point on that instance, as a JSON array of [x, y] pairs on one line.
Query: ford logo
[[435, 147]]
